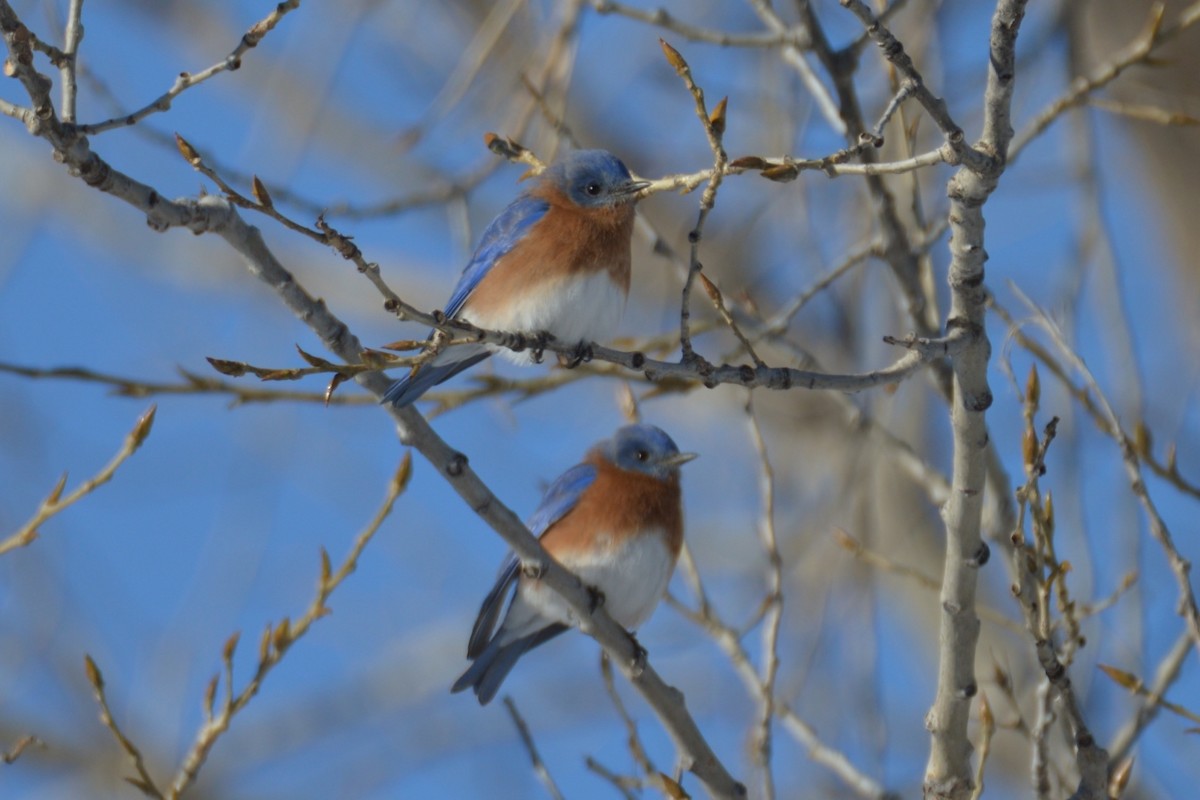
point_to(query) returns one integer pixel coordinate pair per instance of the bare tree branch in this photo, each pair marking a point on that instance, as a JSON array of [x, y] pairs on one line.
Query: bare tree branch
[[948, 774]]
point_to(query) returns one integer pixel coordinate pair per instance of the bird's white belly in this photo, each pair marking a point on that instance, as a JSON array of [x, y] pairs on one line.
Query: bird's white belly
[[579, 309], [632, 576]]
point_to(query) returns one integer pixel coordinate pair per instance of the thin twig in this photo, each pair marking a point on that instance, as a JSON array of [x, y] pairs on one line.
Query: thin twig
[[1145, 113], [1180, 566], [1137, 51], [772, 603], [913, 85], [20, 746], [729, 640], [142, 781], [921, 579], [55, 502], [1143, 438], [1036, 573], [632, 738], [190, 384], [621, 783], [842, 66], [714, 128], [276, 641], [1164, 677], [661, 18], [187, 80], [794, 56], [539, 767], [987, 726]]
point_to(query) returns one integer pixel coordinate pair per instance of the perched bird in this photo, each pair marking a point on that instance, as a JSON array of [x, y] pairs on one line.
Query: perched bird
[[556, 260], [616, 521]]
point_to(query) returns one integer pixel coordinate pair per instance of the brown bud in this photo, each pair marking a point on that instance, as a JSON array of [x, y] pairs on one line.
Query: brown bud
[[781, 173], [210, 696], [141, 429], [93, 673], [264, 645], [314, 361], [671, 788], [326, 568], [187, 151], [1142, 440], [1120, 778], [717, 118], [673, 57], [1124, 679], [283, 635], [337, 380], [985, 713], [1033, 387], [234, 369], [627, 402], [260, 193], [749, 162], [57, 491], [403, 473]]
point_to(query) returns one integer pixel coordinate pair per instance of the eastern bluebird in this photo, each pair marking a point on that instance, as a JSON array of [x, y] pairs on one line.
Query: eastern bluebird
[[616, 521], [557, 259]]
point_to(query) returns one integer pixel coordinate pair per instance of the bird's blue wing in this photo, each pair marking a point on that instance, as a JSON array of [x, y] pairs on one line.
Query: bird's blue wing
[[494, 663], [489, 610], [499, 237], [406, 390], [561, 497]]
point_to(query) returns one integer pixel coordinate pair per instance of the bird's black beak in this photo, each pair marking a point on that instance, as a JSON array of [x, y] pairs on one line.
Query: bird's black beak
[[630, 188], [679, 459]]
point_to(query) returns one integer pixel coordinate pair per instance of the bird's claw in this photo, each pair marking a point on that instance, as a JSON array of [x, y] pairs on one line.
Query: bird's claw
[[537, 347], [596, 599], [637, 664], [582, 354], [533, 570]]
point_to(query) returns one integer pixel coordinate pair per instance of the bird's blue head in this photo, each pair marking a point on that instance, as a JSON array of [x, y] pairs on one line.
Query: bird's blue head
[[594, 179], [645, 449]]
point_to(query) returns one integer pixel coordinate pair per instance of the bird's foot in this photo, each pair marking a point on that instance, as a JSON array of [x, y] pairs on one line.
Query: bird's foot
[[596, 599], [582, 354], [537, 345], [637, 664], [533, 570]]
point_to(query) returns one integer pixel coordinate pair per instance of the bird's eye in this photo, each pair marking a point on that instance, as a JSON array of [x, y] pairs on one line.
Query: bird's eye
[[592, 188], [641, 455]]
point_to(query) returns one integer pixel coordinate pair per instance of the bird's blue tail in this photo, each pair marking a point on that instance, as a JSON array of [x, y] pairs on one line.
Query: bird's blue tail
[[497, 660], [406, 390]]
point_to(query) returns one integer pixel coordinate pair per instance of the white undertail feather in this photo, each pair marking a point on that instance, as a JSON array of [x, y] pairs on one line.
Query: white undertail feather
[[577, 309], [633, 578]]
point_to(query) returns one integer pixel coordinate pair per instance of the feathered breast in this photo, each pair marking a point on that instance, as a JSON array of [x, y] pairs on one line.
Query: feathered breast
[[568, 242], [619, 504]]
